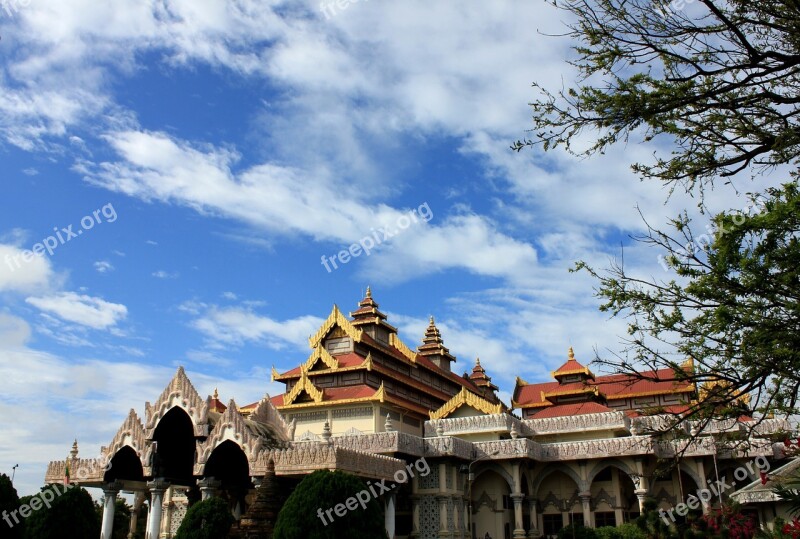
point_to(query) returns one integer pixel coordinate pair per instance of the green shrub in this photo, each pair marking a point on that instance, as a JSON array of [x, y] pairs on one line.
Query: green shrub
[[577, 531], [71, 514], [209, 519], [323, 490], [608, 532]]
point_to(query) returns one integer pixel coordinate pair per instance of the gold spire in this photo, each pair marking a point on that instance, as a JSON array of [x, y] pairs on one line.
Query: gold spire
[[216, 394], [477, 362], [369, 291], [433, 323], [570, 353]]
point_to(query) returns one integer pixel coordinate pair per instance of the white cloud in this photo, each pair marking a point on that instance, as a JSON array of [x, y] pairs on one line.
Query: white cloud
[[103, 266], [22, 273], [81, 309], [239, 325], [161, 274]]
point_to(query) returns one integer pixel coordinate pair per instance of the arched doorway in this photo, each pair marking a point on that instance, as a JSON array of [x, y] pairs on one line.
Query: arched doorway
[[613, 499], [124, 466], [175, 448], [560, 503], [228, 465], [492, 508]]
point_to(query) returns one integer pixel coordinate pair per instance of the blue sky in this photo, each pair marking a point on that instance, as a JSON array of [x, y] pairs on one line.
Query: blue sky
[[226, 147]]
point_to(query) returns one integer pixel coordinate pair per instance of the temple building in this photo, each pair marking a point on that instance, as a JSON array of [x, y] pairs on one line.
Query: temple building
[[580, 448]]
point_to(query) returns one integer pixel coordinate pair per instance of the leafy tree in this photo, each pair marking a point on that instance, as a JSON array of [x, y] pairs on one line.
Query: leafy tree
[[208, 519], [720, 79], [298, 519], [9, 501], [720, 83], [72, 511], [651, 524], [577, 531]]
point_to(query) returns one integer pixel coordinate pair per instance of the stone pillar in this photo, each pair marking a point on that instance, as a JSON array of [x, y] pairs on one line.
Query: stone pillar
[[641, 495], [533, 530], [109, 505], [442, 514], [208, 487], [157, 488], [414, 516], [519, 525], [138, 500], [586, 501], [389, 515]]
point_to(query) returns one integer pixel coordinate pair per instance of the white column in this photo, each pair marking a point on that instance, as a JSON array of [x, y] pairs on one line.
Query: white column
[[138, 500], [157, 489], [519, 525], [586, 499], [208, 487], [534, 526], [389, 515], [109, 504]]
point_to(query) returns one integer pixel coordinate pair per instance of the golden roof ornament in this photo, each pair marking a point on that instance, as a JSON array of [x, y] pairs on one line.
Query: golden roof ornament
[[216, 394], [369, 291], [571, 354]]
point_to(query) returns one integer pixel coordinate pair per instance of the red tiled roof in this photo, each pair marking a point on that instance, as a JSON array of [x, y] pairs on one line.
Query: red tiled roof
[[347, 392], [578, 408], [614, 386]]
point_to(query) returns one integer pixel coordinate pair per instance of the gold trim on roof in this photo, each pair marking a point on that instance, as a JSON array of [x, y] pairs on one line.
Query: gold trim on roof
[[577, 391], [336, 318], [368, 362], [303, 384], [684, 389], [470, 399], [395, 341], [275, 374], [585, 370], [320, 353]]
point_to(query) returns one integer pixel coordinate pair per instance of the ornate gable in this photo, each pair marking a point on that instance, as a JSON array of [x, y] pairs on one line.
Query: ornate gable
[[468, 398], [180, 392], [231, 426], [266, 413], [401, 347], [336, 318], [303, 384], [320, 354], [130, 434]]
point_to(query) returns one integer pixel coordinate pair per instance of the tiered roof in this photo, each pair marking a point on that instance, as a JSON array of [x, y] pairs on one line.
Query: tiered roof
[[374, 348], [576, 390]]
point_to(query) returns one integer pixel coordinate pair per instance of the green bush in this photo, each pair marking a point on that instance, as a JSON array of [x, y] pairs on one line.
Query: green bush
[[577, 531], [9, 501], [209, 519], [629, 530], [608, 532], [323, 490], [71, 514]]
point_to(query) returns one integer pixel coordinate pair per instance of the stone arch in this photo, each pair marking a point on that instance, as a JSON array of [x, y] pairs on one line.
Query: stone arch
[[499, 470], [603, 464], [180, 393], [124, 465], [230, 427], [173, 447], [567, 470]]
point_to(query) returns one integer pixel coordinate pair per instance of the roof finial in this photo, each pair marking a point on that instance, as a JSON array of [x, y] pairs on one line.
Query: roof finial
[[477, 362], [216, 394], [74, 452], [369, 291], [433, 322], [570, 353]]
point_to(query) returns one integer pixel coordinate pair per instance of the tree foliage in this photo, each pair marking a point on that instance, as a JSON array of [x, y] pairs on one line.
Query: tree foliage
[[9, 501], [298, 519], [719, 84], [720, 79], [72, 511], [208, 519]]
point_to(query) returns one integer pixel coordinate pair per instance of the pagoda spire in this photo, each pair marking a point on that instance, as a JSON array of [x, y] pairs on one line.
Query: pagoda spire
[[483, 381], [434, 349], [369, 318]]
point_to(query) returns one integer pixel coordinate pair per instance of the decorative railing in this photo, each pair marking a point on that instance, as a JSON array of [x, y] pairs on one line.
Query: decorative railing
[[506, 449], [308, 457], [628, 445], [81, 471], [578, 423], [382, 442], [455, 426], [450, 446], [769, 426]]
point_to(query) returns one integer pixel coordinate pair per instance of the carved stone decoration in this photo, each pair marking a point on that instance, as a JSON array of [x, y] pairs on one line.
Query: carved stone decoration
[[603, 496], [308, 436], [180, 392], [266, 413], [130, 434], [230, 426]]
